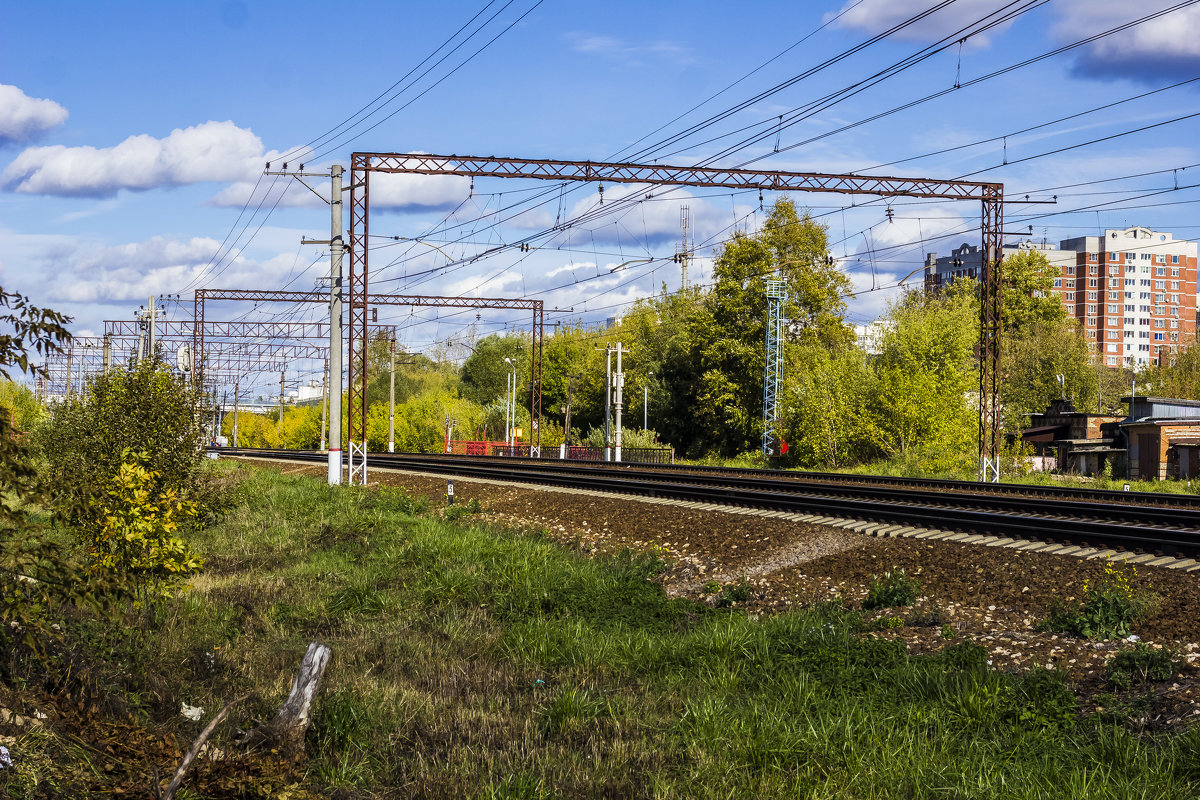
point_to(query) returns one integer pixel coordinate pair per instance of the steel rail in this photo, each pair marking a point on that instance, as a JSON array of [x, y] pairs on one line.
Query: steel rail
[[1104, 525]]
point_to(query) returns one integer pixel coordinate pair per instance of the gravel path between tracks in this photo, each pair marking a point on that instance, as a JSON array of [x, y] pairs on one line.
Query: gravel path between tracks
[[994, 596]]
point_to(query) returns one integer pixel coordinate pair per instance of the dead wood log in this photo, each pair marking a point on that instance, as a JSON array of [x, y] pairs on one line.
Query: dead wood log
[[286, 731]]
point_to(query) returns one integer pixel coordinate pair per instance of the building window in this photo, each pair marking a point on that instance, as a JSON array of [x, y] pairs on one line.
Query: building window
[[1113, 256], [1128, 320], [1159, 323], [1161, 260], [1071, 269], [1130, 256], [1143, 348], [1131, 269], [1146, 256], [1093, 295], [1091, 334], [1145, 282], [1174, 336], [1058, 283], [1113, 309], [1143, 334], [1112, 361], [1092, 270], [1158, 337], [1174, 323], [1071, 296], [1114, 334], [1093, 282], [1091, 310], [1112, 321], [1130, 307], [1174, 260], [1128, 334]]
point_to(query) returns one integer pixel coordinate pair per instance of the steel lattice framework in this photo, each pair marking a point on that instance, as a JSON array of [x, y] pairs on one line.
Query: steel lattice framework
[[990, 195], [356, 391], [773, 369]]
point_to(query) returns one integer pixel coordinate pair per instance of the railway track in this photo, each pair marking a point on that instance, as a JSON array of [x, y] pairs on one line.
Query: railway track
[[1093, 518]]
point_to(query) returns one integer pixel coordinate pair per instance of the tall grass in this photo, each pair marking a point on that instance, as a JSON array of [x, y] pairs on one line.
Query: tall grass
[[471, 661]]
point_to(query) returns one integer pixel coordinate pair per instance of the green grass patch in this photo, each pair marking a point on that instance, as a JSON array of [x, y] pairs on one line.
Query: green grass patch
[[471, 661]]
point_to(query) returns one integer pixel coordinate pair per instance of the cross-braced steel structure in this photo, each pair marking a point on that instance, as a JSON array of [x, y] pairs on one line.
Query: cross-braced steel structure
[[357, 446], [990, 195], [773, 367]]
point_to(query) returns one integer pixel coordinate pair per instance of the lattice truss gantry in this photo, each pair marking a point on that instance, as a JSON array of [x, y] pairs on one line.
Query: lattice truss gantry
[[990, 196]]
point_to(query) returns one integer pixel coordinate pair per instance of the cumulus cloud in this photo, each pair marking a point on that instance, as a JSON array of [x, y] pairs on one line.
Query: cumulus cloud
[[212, 151], [1166, 47], [876, 16], [23, 118]]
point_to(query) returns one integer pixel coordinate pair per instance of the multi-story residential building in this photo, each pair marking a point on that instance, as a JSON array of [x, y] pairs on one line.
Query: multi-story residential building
[[1133, 291]]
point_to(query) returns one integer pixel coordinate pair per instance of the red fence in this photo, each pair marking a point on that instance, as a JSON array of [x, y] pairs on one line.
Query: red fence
[[632, 455]]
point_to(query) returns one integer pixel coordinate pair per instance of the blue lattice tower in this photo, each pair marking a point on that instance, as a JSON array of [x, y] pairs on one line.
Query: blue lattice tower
[[773, 371]]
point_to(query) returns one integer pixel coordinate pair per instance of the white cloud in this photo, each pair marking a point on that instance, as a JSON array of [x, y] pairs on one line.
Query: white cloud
[[1166, 46], [23, 117], [388, 191], [212, 151], [630, 53], [876, 16]]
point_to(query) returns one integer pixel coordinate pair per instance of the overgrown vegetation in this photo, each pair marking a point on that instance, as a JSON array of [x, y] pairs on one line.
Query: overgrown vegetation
[[1109, 606], [894, 588], [478, 662], [1141, 665]]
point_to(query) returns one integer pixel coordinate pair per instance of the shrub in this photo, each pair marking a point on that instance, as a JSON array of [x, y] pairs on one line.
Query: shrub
[[893, 589], [142, 406], [135, 543], [1139, 665]]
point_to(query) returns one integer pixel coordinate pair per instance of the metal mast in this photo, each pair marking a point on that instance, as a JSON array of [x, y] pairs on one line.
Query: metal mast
[[773, 370]]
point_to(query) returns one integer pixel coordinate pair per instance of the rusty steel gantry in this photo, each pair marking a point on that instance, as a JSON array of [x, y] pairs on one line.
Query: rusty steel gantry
[[358, 446], [990, 195]]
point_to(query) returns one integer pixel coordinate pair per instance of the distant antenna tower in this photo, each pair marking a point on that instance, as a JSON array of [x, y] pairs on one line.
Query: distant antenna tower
[[685, 247]]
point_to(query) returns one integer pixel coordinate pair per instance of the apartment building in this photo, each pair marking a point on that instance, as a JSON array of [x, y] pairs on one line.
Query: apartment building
[[1132, 290]]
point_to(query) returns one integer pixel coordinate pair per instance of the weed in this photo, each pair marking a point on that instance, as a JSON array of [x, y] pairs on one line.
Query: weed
[[735, 593], [1139, 665], [886, 623], [948, 631], [893, 589], [712, 587], [459, 510], [1109, 607]]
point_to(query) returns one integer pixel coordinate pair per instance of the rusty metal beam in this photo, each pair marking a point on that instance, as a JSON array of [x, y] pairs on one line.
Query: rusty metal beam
[[990, 194]]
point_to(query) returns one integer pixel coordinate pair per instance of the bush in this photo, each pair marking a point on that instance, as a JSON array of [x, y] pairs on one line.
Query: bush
[[1139, 665], [134, 544], [142, 406], [893, 589]]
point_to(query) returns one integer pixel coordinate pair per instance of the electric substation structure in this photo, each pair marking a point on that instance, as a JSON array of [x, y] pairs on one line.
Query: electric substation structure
[[357, 446], [990, 196]]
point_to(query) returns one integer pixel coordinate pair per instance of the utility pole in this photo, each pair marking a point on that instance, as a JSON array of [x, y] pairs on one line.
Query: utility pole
[[335, 326], [608, 350], [336, 246], [279, 423], [107, 352], [70, 354], [324, 398], [221, 413], [236, 399], [150, 309], [567, 422], [684, 250], [618, 386], [392, 402]]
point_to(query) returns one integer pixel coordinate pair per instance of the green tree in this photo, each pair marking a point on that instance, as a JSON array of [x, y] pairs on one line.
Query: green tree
[[1179, 378], [1028, 298], [484, 373], [923, 376], [20, 405], [728, 401], [826, 407], [1032, 364]]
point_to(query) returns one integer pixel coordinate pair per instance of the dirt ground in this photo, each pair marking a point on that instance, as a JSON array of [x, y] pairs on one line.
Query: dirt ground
[[994, 596]]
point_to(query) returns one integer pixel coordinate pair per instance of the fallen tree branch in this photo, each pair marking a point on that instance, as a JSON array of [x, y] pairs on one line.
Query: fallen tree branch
[[186, 764]]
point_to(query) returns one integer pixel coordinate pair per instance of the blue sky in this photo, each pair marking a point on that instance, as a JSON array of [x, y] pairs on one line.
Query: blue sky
[[133, 133]]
